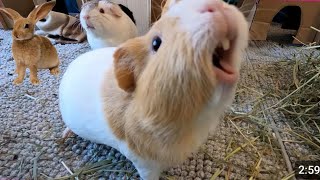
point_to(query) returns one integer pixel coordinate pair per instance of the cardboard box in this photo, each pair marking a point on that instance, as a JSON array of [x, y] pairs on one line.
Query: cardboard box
[[266, 10], [23, 7]]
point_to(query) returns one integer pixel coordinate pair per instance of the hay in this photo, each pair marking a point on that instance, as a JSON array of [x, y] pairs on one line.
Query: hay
[[298, 100], [93, 171], [301, 99]]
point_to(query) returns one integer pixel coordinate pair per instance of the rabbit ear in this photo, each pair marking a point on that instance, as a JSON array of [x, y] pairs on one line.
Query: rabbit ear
[[115, 9], [167, 5], [123, 70], [41, 11], [14, 15]]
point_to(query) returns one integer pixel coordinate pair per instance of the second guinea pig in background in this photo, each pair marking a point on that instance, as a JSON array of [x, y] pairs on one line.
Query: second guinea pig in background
[[107, 24]]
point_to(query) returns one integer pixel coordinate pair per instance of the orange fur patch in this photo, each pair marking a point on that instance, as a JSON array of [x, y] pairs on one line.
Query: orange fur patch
[[129, 60], [123, 71], [168, 89]]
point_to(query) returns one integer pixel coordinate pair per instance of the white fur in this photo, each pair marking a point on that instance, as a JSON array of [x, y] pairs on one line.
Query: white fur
[[81, 106], [81, 83], [109, 31], [197, 24], [97, 42]]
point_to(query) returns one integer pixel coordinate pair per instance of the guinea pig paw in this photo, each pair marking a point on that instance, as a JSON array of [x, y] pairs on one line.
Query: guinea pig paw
[[17, 81], [35, 81], [67, 133], [55, 71]]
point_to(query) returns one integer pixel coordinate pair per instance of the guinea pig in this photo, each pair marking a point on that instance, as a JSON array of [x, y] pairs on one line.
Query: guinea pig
[[107, 24], [155, 98]]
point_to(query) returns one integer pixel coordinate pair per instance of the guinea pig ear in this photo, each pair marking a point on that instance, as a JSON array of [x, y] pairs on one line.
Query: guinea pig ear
[[14, 15], [123, 69], [128, 12], [167, 5], [115, 9], [41, 11]]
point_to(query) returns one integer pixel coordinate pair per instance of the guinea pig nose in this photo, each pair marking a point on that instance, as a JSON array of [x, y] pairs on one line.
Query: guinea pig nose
[[212, 6], [208, 9]]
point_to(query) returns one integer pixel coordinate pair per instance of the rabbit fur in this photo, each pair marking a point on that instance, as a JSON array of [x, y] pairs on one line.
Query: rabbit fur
[[30, 50]]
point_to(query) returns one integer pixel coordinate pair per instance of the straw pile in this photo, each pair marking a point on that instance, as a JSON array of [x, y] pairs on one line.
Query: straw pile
[[297, 97], [300, 100]]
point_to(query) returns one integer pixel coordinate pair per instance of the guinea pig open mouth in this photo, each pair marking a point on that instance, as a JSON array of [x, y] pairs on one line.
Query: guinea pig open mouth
[[223, 64], [90, 26]]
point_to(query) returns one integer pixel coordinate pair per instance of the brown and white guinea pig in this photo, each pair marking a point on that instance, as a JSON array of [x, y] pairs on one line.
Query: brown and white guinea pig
[[107, 24], [155, 98]]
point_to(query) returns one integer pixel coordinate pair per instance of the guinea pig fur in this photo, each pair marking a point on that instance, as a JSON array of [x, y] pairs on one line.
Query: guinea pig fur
[[155, 98], [107, 24]]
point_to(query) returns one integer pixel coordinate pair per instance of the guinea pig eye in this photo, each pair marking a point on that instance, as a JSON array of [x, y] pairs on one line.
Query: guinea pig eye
[[26, 26], [101, 10], [156, 43]]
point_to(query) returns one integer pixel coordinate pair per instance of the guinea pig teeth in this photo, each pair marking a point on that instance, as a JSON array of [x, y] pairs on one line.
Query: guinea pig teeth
[[225, 44]]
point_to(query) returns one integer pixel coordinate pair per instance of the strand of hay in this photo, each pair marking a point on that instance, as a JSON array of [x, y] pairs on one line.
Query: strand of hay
[[102, 166], [68, 169]]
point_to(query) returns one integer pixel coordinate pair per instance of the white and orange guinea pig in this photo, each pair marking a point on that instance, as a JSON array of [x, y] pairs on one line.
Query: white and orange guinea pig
[[155, 98], [107, 24]]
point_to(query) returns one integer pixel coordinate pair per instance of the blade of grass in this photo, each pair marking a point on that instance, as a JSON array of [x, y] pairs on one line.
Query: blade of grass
[[216, 174]]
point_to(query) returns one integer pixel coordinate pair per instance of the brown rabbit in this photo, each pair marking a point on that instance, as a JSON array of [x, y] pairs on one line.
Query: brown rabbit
[[30, 50]]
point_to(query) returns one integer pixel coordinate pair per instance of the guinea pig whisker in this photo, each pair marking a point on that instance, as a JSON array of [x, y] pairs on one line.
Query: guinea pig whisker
[[272, 10], [89, 3], [246, 5], [94, 17], [106, 18], [76, 7]]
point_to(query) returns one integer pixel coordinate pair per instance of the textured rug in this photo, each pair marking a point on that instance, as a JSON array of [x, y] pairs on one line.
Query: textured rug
[[30, 125]]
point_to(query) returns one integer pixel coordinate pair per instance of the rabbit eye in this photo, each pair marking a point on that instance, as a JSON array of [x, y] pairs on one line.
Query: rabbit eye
[[101, 11], [156, 43], [26, 26]]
